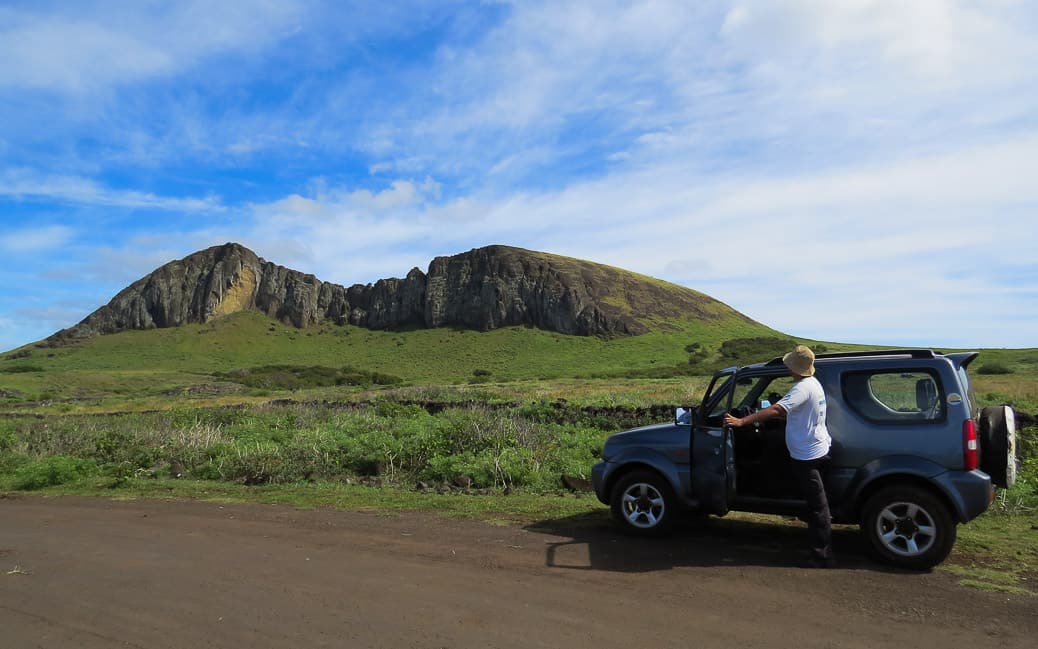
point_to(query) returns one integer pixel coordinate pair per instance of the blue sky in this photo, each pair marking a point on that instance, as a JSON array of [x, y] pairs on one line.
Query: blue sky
[[852, 170]]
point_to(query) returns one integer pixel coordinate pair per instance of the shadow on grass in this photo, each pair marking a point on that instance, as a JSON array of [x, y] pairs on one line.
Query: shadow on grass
[[593, 542]]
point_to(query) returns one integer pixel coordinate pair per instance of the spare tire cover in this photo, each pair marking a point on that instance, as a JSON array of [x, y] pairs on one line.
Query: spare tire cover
[[998, 444]]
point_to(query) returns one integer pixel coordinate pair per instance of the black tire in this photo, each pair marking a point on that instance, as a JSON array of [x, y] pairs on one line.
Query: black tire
[[908, 526], [998, 445], [643, 503]]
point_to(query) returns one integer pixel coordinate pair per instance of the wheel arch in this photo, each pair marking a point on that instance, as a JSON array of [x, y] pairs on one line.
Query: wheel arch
[[658, 465], [887, 479]]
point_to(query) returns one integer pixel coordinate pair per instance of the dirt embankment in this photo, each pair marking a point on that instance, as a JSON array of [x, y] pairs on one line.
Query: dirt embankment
[[97, 573]]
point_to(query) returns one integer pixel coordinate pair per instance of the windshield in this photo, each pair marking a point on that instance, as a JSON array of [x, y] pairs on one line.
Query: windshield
[[746, 394], [715, 402]]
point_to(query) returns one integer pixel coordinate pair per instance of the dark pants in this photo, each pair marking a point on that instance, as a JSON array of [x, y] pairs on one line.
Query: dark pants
[[808, 474]]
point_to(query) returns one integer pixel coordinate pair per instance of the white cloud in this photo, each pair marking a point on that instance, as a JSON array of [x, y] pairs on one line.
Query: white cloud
[[46, 54], [937, 43], [36, 239], [332, 205], [402, 193], [94, 45], [25, 183], [912, 190], [806, 82]]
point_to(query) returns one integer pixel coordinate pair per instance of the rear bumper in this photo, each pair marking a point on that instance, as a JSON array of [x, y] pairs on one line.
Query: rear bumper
[[970, 491]]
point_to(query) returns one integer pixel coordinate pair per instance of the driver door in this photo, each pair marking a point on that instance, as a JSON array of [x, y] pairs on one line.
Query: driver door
[[713, 452]]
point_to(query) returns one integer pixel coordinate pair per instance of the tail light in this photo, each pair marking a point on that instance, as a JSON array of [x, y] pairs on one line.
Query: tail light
[[970, 446]]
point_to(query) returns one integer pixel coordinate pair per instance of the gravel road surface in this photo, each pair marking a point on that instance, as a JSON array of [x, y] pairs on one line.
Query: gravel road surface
[[86, 572]]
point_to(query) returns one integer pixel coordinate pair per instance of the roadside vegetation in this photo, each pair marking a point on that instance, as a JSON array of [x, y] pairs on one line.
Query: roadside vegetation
[[477, 445]]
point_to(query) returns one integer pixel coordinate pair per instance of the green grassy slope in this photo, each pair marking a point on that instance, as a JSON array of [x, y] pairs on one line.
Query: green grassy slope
[[162, 359]]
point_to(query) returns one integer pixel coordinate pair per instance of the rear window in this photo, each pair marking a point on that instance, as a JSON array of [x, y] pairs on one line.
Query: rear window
[[965, 380], [895, 397]]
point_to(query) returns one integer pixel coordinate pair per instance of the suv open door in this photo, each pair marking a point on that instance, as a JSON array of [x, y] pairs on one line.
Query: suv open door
[[713, 451]]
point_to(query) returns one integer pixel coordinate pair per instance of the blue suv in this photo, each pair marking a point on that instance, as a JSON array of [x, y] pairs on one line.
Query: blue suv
[[911, 456]]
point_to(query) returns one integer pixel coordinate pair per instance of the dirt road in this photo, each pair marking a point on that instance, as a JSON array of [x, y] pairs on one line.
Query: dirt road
[[79, 572]]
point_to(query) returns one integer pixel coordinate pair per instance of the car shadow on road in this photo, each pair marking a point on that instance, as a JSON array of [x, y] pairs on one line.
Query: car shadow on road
[[590, 541]]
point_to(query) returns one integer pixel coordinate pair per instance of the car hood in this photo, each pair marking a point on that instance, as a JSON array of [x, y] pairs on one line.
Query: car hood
[[653, 429], [652, 436]]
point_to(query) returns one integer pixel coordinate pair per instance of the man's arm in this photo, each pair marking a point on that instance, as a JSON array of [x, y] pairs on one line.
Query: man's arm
[[765, 414]]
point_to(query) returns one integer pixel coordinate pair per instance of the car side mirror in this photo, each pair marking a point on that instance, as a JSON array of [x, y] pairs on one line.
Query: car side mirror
[[685, 415]]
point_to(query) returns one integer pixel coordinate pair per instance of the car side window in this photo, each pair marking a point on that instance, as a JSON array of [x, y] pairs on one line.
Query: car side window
[[895, 396]]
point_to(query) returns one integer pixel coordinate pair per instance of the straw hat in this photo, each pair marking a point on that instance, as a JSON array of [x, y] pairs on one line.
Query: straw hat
[[800, 361]]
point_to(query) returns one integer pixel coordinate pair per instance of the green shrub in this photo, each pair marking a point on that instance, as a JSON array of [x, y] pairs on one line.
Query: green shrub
[[21, 369], [258, 463], [761, 348], [394, 409], [510, 467], [122, 472], [994, 368], [304, 456], [112, 445], [376, 451], [211, 470], [8, 439], [697, 357], [11, 462], [1027, 446], [293, 377], [56, 436], [52, 471], [447, 467], [311, 457], [539, 411]]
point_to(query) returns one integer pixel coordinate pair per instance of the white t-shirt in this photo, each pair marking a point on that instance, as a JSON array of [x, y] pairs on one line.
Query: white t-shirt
[[807, 438]]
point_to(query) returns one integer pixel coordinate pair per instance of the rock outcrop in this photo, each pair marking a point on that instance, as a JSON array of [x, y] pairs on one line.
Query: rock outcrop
[[482, 289]]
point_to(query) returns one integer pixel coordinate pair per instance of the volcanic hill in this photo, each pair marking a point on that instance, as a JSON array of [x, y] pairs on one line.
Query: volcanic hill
[[482, 289]]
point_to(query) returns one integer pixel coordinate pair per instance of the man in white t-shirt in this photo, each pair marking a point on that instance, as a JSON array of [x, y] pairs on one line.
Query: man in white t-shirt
[[808, 442]]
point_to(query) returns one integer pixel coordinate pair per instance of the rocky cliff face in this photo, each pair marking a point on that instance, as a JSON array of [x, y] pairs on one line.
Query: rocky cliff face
[[482, 289]]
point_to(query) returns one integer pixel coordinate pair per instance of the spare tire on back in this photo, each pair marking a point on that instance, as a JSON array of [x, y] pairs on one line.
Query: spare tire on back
[[998, 445]]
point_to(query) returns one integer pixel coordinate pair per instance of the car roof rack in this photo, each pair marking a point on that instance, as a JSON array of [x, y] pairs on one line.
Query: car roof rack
[[912, 353]]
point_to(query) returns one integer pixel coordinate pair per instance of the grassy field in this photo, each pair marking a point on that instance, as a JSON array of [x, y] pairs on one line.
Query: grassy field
[[161, 362], [149, 369]]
